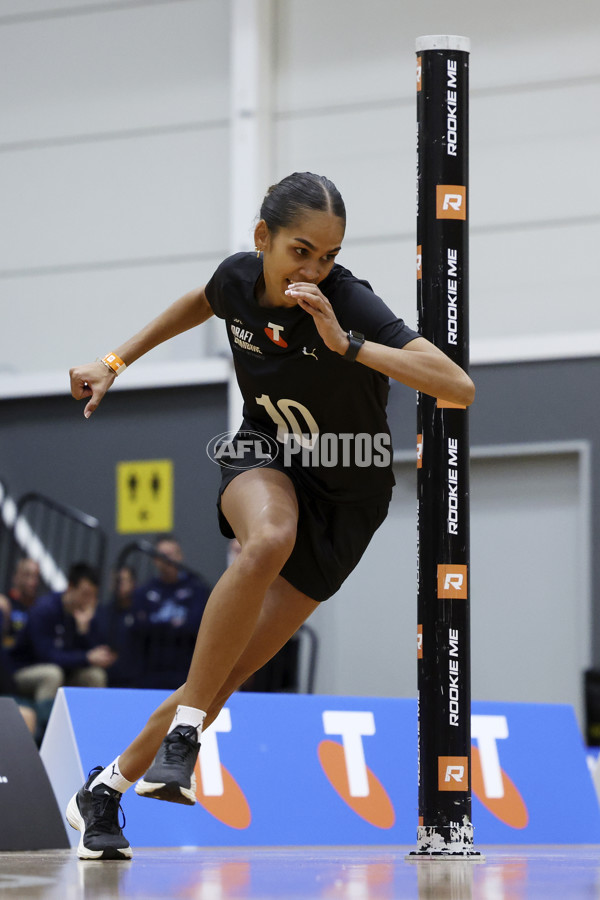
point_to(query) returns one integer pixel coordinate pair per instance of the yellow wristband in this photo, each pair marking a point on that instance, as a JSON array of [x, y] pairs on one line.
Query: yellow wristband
[[114, 362]]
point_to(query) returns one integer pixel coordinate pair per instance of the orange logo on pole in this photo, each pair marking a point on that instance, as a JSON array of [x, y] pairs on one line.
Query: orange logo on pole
[[419, 451], [451, 201], [419, 262], [419, 73], [453, 773], [419, 642], [452, 582]]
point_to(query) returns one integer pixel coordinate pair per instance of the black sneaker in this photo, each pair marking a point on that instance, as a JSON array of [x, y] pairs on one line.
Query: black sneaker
[[171, 775], [96, 815]]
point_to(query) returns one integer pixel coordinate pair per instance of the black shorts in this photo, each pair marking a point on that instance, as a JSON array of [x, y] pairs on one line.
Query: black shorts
[[330, 540]]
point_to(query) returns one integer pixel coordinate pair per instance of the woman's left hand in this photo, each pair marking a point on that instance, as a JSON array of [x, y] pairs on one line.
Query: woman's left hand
[[312, 301]]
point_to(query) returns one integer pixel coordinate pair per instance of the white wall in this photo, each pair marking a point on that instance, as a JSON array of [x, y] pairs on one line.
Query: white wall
[[345, 106], [114, 175], [115, 160]]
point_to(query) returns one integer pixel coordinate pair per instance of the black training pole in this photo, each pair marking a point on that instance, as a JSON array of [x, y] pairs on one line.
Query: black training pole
[[445, 828]]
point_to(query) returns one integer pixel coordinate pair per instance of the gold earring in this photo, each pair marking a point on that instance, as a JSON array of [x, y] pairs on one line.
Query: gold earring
[[257, 252]]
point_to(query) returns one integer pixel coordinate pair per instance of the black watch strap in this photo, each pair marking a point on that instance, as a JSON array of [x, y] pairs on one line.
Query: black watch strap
[[356, 341]]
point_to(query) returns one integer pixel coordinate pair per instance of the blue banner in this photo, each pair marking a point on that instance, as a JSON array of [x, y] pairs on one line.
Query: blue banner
[[279, 770]]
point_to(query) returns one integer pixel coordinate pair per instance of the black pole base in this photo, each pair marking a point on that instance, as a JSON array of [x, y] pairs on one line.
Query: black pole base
[[453, 841]]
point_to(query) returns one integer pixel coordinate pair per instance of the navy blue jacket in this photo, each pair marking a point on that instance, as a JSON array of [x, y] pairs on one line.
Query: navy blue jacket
[[167, 618], [50, 635], [119, 633], [17, 620]]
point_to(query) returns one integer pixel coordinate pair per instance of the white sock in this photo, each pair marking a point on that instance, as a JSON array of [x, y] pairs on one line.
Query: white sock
[[112, 778], [189, 715]]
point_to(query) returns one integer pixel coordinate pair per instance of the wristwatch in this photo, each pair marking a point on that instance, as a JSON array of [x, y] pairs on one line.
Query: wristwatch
[[356, 341]]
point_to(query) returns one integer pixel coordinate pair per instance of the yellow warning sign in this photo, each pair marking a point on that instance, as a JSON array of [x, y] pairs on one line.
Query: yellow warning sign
[[145, 496]]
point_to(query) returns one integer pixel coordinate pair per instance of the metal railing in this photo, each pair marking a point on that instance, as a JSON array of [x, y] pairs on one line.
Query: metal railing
[[139, 555], [56, 536]]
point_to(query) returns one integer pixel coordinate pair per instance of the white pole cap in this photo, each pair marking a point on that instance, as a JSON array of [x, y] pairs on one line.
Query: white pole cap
[[443, 42]]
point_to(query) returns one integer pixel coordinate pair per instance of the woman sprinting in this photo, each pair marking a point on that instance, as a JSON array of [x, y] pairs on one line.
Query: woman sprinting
[[314, 349]]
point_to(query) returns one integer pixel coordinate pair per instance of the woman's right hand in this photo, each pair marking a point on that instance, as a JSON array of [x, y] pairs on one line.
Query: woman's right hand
[[92, 380]]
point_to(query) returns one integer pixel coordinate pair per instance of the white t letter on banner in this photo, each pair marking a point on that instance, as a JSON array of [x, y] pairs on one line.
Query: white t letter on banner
[[352, 726]]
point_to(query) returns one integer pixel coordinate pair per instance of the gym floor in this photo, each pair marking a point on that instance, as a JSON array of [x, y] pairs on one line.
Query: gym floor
[[341, 873]]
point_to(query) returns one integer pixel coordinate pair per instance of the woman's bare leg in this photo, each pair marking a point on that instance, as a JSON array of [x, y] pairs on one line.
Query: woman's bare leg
[[284, 611], [262, 509]]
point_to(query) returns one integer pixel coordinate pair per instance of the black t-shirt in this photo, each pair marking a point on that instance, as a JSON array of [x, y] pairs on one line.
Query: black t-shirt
[[292, 384]]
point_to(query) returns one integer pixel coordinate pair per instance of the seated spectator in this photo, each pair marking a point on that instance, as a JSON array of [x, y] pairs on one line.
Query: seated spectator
[[168, 610], [8, 687], [61, 644], [116, 621], [16, 607], [21, 597]]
